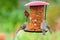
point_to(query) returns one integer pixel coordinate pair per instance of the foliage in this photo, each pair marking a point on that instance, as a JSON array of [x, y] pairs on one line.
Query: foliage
[[8, 4], [52, 14], [9, 22]]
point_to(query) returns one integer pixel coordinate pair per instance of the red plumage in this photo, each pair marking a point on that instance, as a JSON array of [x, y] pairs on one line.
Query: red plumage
[[26, 14]]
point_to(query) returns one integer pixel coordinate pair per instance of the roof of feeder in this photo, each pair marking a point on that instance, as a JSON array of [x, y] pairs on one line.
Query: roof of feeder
[[35, 3]]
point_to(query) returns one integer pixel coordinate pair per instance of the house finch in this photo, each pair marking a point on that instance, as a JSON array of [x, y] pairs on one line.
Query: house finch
[[22, 27], [45, 26], [26, 14]]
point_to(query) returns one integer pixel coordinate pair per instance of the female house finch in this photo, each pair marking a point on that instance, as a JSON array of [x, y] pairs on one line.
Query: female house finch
[[45, 26], [22, 27]]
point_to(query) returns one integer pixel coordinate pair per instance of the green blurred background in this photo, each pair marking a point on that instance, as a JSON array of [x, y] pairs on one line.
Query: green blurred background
[[12, 13]]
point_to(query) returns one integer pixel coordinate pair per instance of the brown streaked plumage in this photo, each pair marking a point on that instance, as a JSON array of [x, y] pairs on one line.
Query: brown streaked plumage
[[22, 27]]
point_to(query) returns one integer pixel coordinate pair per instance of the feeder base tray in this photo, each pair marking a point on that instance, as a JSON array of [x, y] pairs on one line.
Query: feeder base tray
[[33, 31]]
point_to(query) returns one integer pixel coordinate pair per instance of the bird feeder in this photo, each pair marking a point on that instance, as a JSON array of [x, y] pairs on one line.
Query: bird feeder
[[37, 15]]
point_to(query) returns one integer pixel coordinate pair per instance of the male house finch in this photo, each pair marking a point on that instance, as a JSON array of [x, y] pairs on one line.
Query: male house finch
[[26, 14]]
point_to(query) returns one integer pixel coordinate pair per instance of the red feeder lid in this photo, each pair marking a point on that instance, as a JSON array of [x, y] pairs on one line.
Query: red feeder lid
[[36, 3]]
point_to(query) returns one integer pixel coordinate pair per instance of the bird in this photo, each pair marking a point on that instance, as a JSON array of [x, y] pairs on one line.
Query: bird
[[22, 27], [44, 25], [26, 14]]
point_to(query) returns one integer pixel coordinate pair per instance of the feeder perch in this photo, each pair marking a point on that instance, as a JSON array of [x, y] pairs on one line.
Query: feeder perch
[[36, 16]]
